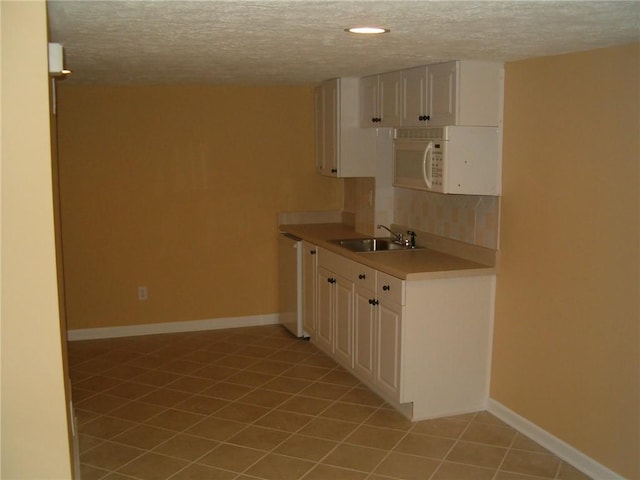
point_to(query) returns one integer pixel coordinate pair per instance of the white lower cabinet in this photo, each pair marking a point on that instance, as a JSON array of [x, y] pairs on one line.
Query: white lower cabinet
[[309, 290], [423, 345]]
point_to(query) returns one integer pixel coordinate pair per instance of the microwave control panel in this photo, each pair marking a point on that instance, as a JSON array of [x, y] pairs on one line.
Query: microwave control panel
[[436, 167]]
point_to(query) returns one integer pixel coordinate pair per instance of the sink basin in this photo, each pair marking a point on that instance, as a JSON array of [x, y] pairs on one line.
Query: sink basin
[[370, 244]]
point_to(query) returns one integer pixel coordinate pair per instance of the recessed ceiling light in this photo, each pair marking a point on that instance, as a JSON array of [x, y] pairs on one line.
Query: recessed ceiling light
[[367, 30]]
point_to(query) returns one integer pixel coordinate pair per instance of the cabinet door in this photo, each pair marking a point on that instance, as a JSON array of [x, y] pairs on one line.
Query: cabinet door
[[318, 96], [364, 333], [389, 98], [343, 323], [325, 305], [369, 111], [415, 97], [330, 103], [388, 342], [443, 93], [309, 278]]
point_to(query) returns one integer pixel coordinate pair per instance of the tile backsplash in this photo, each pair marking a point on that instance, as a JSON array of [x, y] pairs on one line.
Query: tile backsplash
[[469, 218]]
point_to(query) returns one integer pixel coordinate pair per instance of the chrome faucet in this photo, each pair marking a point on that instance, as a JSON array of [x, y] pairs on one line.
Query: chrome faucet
[[397, 237]]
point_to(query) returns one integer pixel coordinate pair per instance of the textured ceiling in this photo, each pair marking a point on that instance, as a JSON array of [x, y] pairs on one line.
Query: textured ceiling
[[302, 42]]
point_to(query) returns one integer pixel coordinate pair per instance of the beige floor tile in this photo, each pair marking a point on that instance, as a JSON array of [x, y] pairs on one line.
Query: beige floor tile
[[362, 396], [202, 404], [348, 412], [181, 366], [279, 467], [125, 371], [151, 466], [259, 438], [328, 428], [449, 427], [157, 378], [98, 383], [326, 391], [270, 367], [202, 472], [307, 448], [105, 427], [477, 454], [489, 434], [325, 472], [191, 384], [355, 457], [319, 360], [306, 372], [165, 397], [265, 398], [425, 445], [457, 471], [176, 420], [407, 467], [531, 463], [203, 356], [231, 457], [87, 472], [215, 372], [215, 428], [144, 436], [236, 361], [256, 403], [389, 419], [376, 437], [501, 475], [100, 403], [289, 356], [186, 447], [305, 405], [241, 412], [110, 456], [227, 391], [489, 418], [130, 390], [87, 442], [137, 411], [250, 379], [286, 384], [523, 442], [340, 378], [256, 351], [286, 421], [569, 472]]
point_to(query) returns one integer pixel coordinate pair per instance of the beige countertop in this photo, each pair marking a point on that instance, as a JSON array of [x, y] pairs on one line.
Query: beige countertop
[[418, 264]]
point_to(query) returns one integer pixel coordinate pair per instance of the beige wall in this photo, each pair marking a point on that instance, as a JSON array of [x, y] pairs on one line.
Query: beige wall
[[566, 351], [177, 188], [34, 421]]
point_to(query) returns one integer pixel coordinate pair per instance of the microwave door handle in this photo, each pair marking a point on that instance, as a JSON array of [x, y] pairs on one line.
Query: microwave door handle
[[426, 165]]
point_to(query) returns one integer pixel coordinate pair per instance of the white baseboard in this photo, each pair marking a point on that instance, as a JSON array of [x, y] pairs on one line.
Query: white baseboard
[[172, 327], [566, 452]]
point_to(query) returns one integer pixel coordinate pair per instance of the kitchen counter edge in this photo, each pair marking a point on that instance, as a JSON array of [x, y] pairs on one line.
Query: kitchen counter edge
[[419, 264]]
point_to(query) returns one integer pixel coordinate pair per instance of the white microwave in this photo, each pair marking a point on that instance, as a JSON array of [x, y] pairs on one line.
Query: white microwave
[[455, 159]]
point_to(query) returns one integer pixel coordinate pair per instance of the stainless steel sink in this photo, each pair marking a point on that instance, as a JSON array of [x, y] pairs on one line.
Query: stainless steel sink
[[370, 244]]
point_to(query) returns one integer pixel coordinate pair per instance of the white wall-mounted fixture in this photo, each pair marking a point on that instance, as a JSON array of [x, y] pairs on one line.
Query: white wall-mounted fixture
[[367, 30], [56, 61]]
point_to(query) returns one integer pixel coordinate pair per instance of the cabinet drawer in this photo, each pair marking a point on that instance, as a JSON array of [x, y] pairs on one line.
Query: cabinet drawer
[[364, 276], [390, 288]]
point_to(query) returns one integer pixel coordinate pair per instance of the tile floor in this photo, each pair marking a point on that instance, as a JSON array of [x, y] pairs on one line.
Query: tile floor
[[256, 403]]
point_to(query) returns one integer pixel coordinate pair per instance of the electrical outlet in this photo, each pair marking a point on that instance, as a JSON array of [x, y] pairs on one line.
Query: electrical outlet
[[143, 293]]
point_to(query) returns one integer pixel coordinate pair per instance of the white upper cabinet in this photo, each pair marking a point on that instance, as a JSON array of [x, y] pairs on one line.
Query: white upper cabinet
[[380, 100], [416, 109], [342, 148], [466, 93], [462, 92]]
